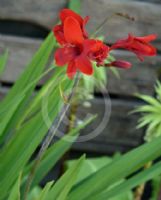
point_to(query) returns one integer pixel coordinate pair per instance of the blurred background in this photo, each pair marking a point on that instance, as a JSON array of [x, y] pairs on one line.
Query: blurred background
[[23, 26]]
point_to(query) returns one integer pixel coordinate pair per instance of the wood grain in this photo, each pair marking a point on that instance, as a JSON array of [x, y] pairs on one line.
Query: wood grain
[[21, 51], [42, 12], [45, 13], [140, 78], [119, 133], [147, 18]]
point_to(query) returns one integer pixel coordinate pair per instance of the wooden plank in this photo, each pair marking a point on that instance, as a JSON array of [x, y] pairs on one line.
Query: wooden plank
[[119, 133], [42, 12], [147, 18], [101, 147], [45, 13], [151, 1], [140, 78], [21, 51]]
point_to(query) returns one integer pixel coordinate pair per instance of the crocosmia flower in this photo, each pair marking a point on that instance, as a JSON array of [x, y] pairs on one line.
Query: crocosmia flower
[[77, 51], [78, 20], [139, 45], [120, 64], [98, 51]]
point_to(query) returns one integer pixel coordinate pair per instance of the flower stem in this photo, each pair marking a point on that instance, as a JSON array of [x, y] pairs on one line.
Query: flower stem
[[72, 120], [140, 189], [99, 28], [49, 137]]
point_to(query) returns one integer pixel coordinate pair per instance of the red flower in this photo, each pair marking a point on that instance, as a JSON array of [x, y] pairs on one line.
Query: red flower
[[76, 50], [59, 29], [120, 64], [139, 45], [79, 56], [98, 51]]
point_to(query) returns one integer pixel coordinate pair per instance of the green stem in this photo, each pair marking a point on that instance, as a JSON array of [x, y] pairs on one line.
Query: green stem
[[99, 28], [72, 119], [49, 137], [140, 189]]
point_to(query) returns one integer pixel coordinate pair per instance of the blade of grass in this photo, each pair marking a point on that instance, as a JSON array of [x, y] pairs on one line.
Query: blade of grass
[[6, 118], [51, 133], [8, 112], [56, 151], [62, 187], [3, 61], [74, 5], [15, 191], [33, 70], [43, 195], [117, 170], [16, 154], [131, 183], [35, 104]]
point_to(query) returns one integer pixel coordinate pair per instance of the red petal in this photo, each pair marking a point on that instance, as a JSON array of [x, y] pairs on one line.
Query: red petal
[[59, 34], [147, 38], [72, 31], [89, 45], [71, 69], [69, 13], [85, 20], [64, 55], [144, 49], [84, 65], [153, 51], [123, 43], [120, 64]]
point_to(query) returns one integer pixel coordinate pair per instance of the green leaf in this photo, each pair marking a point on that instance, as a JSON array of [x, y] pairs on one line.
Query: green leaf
[[15, 191], [56, 151], [34, 194], [88, 84], [32, 72], [36, 103], [89, 166], [35, 67], [62, 187], [75, 5], [44, 193], [3, 61], [100, 75], [99, 80], [23, 144], [156, 183], [124, 196], [94, 164], [150, 114], [7, 113], [131, 183], [150, 100], [7, 117], [118, 169]]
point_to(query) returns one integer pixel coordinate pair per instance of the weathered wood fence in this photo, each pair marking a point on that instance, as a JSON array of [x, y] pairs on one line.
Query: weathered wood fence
[[23, 24]]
